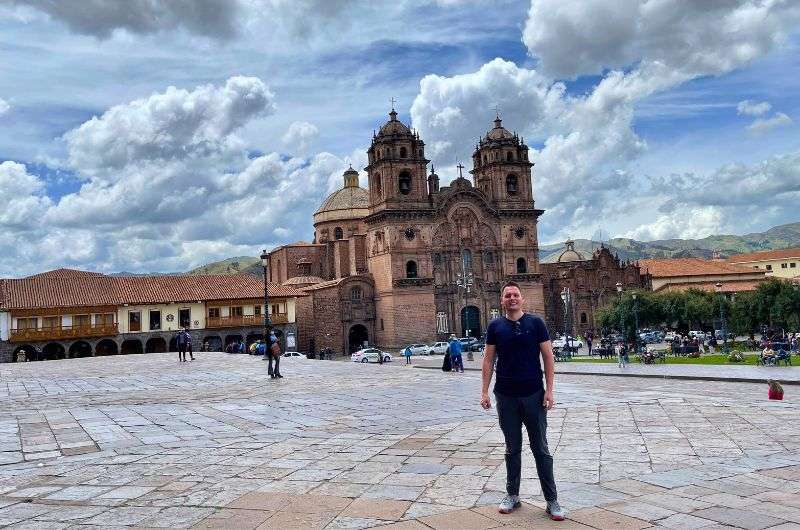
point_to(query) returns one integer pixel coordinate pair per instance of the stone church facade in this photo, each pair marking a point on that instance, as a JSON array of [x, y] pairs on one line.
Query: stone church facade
[[409, 261]]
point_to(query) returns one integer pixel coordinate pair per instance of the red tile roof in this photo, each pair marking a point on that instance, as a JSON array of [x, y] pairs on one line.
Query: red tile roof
[[764, 255], [65, 273], [728, 286], [42, 291], [666, 268]]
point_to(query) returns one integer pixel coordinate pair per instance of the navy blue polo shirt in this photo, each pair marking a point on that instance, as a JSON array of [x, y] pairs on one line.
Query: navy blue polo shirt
[[519, 370]]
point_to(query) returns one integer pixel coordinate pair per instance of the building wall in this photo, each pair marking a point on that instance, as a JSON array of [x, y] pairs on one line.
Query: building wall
[[198, 316], [5, 325], [779, 268]]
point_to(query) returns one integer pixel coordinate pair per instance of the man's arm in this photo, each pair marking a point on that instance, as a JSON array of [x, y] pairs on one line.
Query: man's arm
[[549, 373], [486, 375]]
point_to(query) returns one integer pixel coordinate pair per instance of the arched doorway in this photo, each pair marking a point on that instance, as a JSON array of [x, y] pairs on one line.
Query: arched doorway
[[80, 349], [229, 339], [30, 354], [106, 347], [356, 338], [155, 345], [471, 321], [53, 350], [213, 342], [131, 346], [252, 338], [173, 344]]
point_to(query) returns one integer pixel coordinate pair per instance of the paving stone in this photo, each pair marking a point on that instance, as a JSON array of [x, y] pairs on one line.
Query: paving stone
[[385, 509], [460, 520], [739, 518], [600, 518]]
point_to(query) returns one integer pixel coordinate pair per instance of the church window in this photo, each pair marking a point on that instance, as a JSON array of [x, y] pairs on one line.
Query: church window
[[522, 266], [484, 159], [488, 257], [382, 325], [511, 184], [411, 269], [338, 233], [304, 269], [466, 259], [583, 318], [403, 152], [355, 293], [404, 183], [509, 157], [519, 232], [409, 233], [378, 184], [437, 259], [421, 153]]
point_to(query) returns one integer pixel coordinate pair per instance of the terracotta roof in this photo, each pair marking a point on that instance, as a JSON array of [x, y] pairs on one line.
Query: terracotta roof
[[735, 286], [303, 280], [665, 268], [766, 255], [2, 294], [329, 283], [43, 291]]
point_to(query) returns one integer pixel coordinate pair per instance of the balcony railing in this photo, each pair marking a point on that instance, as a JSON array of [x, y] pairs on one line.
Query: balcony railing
[[245, 320], [63, 332]]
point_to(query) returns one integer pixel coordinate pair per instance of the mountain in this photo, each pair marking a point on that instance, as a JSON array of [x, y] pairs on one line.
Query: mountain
[[239, 264], [779, 237]]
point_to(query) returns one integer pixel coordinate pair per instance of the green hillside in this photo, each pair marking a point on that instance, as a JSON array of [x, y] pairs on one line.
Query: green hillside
[[237, 265]]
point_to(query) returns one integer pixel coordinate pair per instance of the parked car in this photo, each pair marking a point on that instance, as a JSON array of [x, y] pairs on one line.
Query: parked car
[[561, 342], [467, 342], [476, 346], [294, 355], [670, 336], [370, 355], [416, 349], [438, 348]]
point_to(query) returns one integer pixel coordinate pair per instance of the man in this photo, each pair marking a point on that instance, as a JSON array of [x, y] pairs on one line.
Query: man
[[519, 340], [181, 339], [407, 353], [589, 339], [455, 354], [188, 344], [274, 353]]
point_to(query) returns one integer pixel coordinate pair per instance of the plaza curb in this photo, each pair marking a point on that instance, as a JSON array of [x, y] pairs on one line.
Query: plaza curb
[[652, 376]]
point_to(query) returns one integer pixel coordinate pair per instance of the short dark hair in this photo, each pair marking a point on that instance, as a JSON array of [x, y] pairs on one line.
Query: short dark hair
[[510, 283]]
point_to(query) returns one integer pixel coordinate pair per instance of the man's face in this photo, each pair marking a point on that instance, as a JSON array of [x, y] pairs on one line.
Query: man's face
[[511, 299]]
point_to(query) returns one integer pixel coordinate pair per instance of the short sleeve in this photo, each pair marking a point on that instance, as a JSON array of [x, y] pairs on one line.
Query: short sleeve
[[491, 334], [541, 330]]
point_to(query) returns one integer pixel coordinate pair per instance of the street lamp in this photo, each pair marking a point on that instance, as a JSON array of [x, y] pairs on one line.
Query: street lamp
[[565, 298], [718, 285], [267, 323], [635, 324], [621, 316], [465, 281]]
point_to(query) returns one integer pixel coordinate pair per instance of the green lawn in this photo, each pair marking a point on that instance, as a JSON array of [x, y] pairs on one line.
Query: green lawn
[[704, 359]]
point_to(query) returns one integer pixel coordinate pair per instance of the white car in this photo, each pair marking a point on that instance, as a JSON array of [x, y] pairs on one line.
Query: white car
[[670, 336], [294, 355], [416, 349], [370, 355], [438, 348], [561, 342]]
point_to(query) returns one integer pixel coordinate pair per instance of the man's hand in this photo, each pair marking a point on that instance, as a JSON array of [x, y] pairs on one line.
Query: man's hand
[[486, 403], [549, 400]]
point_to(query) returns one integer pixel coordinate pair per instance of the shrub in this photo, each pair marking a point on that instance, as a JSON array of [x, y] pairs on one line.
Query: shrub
[[736, 357]]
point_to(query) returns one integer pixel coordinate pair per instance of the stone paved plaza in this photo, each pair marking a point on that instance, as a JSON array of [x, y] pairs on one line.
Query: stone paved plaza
[[142, 441]]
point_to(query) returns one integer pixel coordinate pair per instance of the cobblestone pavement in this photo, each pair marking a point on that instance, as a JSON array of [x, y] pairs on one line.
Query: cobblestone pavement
[[142, 441]]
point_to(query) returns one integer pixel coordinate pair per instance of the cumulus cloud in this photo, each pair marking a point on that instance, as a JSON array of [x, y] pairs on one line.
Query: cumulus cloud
[[4, 106], [579, 37], [22, 197], [751, 108], [100, 18], [299, 137], [762, 125]]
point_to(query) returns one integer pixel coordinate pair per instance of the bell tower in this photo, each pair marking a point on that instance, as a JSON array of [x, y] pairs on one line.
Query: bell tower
[[397, 168], [501, 168]]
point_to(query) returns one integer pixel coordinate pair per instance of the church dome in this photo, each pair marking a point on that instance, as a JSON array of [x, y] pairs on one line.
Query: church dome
[[350, 202], [570, 254], [499, 132], [393, 126]]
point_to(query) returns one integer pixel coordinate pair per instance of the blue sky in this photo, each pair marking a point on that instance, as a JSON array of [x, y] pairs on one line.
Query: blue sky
[[637, 127]]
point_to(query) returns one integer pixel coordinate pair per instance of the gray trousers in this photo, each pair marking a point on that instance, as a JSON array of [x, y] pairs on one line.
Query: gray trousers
[[513, 412]]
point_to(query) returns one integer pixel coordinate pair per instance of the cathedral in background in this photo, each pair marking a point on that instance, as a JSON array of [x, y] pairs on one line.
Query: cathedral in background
[[407, 261]]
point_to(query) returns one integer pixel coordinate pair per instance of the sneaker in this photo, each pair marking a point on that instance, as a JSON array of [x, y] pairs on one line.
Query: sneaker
[[509, 504], [555, 511]]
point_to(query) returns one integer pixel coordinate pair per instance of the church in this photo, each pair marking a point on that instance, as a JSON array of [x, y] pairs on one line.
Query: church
[[410, 261]]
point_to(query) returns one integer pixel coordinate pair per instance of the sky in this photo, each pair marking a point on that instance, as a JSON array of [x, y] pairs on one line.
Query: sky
[[160, 135]]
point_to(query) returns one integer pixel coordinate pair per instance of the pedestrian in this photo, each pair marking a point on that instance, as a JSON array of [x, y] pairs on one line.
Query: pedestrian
[[180, 339], [589, 339], [455, 354], [188, 343], [447, 362], [620, 355], [407, 353], [521, 343], [273, 351]]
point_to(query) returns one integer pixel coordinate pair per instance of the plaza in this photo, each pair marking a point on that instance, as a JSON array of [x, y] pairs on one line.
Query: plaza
[[142, 441]]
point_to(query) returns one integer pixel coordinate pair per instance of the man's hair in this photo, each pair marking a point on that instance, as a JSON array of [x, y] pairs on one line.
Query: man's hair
[[509, 284]]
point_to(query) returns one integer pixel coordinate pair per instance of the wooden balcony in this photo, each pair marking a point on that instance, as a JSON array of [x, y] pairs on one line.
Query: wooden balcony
[[245, 321], [63, 333]]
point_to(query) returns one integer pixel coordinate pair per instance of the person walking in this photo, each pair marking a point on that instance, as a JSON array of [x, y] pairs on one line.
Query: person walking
[[589, 339], [407, 353], [521, 343], [180, 339], [455, 354], [273, 353], [620, 354], [188, 344]]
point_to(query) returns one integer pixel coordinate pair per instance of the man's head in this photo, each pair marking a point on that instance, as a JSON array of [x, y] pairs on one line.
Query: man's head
[[511, 297]]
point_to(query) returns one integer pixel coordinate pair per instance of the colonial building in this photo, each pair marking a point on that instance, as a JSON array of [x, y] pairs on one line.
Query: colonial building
[[576, 287], [680, 274], [70, 313], [408, 260], [783, 263]]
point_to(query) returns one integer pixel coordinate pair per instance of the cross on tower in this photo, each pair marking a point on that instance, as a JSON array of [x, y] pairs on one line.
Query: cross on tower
[[460, 167], [393, 102], [496, 110]]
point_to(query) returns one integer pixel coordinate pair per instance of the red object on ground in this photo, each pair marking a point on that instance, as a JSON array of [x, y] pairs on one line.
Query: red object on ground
[[775, 395]]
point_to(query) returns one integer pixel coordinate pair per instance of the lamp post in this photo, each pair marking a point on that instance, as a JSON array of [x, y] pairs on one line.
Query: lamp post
[[621, 316], [723, 324], [635, 324], [464, 281], [267, 323], [565, 298]]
